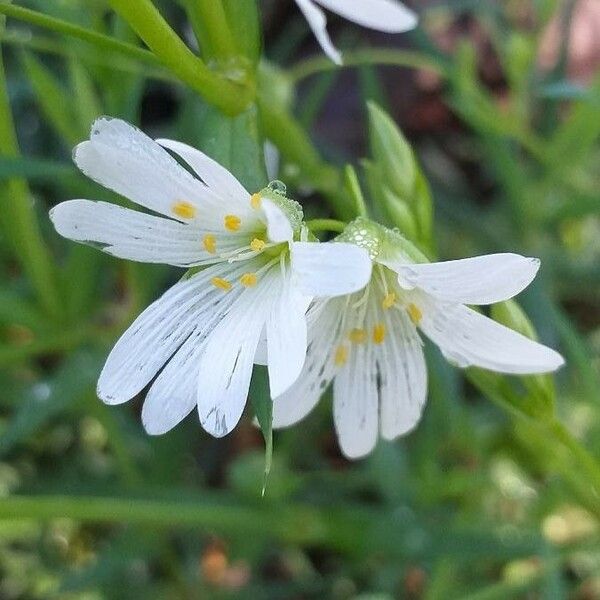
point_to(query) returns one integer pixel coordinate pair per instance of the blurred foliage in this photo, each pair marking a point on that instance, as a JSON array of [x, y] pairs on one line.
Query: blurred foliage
[[483, 500]]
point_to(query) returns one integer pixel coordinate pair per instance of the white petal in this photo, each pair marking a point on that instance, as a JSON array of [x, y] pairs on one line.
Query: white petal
[[129, 234], [125, 160], [318, 370], [216, 177], [383, 15], [356, 402], [403, 376], [330, 269], [279, 228], [160, 330], [318, 23], [479, 280], [174, 393], [226, 364], [148, 343], [469, 338], [286, 338]]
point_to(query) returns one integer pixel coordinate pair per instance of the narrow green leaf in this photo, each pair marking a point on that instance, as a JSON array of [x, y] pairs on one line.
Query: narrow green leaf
[[55, 101], [87, 104], [262, 404]]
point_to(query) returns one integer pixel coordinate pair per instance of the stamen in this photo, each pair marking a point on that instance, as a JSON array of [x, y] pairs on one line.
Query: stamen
[[232, 222], [414, 312], [255, 201], [341, 356], [210, 243], [357, 336], [249, 279], [379, 333], [184, 209], [389, 300], [221, 283], [257, 245]]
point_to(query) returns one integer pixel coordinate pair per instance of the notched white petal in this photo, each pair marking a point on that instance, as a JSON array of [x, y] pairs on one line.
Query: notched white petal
[[479, 280], [383, 15], [125, 160], [468, 338], [330, 269], [318, 23], [128, 234], [286, 339], [211, 172]]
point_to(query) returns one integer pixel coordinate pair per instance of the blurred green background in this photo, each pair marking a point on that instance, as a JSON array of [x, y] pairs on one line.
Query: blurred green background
[[501, 103]]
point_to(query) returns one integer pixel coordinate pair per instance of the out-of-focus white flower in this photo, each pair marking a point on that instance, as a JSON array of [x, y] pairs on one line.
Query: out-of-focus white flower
[[368, 343], [389, 16], [253, 277]]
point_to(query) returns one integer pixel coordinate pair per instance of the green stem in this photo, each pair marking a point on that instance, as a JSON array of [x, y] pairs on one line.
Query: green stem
[[214, 26], [63, 27], [19, 217], [326, 225], [371, 56], [578, 452], [147, 22], [290, 138]]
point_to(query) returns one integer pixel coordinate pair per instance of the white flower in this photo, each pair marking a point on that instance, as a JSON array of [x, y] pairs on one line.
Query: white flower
[[368, 342], [253, 279], [389, 16]]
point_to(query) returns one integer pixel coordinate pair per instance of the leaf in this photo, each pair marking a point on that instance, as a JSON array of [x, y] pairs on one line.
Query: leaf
[[260, 397], [34, 169], [234, 142], [87, 103], [54, 100]]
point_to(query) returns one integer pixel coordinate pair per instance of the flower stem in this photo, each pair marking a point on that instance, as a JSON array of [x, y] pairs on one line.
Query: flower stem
[[371, 56], [211, 21], [229, 96], [18, 216], [326, 225], [87, 35]]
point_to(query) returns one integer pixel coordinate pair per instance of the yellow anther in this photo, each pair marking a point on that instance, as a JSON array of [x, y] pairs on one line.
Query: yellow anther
[[221, 283], [210, 243], [249, 279], [414, 312], [255, 201], [341, 356], [379, 333], [257, 245], [184, 209], [357, 336], [232, 222], [389, 300]]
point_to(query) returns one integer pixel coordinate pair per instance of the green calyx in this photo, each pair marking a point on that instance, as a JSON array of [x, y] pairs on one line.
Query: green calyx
[[380, 242]]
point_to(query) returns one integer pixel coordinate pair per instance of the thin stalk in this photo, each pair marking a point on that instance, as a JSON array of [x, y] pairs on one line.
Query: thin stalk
[[147, 22], [64, 27], [19, 217], [326, 225], [215, 26], [371, 56]]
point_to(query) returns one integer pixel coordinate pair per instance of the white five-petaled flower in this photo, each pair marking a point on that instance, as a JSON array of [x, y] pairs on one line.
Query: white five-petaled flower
[[368, 342], [389, 16], [252, 279]]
